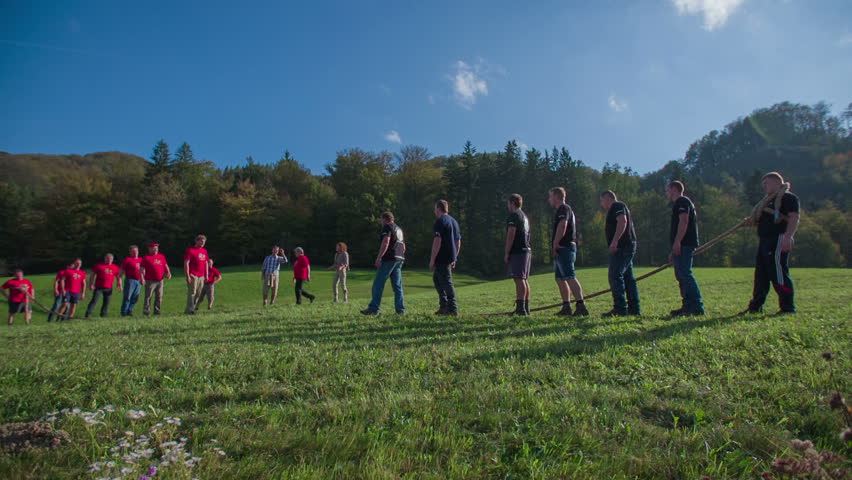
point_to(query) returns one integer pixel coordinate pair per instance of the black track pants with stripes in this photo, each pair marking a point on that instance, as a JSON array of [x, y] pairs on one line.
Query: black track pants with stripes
[[772, 266]]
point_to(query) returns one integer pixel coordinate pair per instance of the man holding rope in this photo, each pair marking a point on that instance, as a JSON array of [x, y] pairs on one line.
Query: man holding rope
[[684, 238], [564, 246], [518, 252], [621, 238], [20, 292], [59, 293], [777, 219], [74, 286]]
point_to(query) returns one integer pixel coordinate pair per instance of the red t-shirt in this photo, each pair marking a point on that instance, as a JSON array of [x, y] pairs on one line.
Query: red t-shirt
[[18, 289], [74, 280], [59, 277], [105, 274], [130, 265], [213, 274], [300, 268], [197, 260], [155, 267]]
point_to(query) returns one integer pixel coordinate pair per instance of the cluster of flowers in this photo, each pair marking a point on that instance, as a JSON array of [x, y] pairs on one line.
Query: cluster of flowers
[[151, 452]]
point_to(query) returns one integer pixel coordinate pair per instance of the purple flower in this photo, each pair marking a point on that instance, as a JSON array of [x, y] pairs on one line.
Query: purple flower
[[152, 471]]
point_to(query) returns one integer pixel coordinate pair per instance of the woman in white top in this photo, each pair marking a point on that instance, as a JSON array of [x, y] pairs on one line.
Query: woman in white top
[[340, 267]]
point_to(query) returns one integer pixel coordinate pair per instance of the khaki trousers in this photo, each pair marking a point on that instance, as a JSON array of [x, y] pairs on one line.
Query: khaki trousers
[[193, 292], [270, 282], [153, 289]]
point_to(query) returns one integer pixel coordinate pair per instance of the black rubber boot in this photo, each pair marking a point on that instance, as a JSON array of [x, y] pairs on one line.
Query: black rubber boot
[[519, 308], [526, 307], [566, 310], [581, 311]]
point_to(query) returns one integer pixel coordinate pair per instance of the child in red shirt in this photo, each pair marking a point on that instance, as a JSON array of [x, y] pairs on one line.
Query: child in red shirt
[[301, 274]]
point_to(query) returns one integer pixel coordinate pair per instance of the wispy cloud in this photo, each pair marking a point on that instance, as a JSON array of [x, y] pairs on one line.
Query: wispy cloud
[[616, 105], [468, 84], [845, 40], [393, 137], [715, 12], [432, 99]]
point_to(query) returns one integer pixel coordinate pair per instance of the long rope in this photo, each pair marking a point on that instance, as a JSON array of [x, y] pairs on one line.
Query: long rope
[[655, 271]]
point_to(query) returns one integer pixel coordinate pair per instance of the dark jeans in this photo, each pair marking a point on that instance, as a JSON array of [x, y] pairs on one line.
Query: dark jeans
[[54, 310], [132, 289], [443, 279], [772, 266], [300, 291], [689, 291], [107, 294], [622, 281], [389, 269]]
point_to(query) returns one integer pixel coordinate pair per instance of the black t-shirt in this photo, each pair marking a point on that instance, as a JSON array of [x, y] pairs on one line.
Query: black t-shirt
[[521, 242], [690, 238], [564, 212], [447, 228], [619, 208], [393, 231], [766, 226]]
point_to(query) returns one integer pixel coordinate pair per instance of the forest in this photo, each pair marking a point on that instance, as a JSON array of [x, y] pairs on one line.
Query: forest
[[57, 207]]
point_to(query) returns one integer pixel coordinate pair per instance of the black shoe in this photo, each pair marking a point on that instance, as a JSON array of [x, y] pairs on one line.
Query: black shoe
[[781, 313], [442, 311], [519, 308], [452, 314], [312, 298], [581, 310], [369, 312], [400, 312], [751, 311], [566, 310], [614, 313], [677, 313]]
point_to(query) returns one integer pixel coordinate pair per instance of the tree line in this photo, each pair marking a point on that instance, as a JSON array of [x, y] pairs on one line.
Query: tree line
[[54, 207]]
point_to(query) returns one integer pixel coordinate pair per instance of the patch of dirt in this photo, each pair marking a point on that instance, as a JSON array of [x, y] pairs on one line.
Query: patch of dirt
[[18, 437]]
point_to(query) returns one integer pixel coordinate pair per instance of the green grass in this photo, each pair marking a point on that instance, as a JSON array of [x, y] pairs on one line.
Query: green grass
[[318, 391]]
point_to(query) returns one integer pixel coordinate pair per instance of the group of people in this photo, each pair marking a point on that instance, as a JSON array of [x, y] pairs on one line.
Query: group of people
[[776, 218]]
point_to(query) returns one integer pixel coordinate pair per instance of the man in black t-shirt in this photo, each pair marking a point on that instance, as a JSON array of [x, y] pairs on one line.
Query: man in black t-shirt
[[445, 250], [776, 227], [684, 240], [518, 254], [388, 265], [621, 238], [564, 250]]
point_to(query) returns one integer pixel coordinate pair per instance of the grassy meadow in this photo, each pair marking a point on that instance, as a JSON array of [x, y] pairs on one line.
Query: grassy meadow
[[319, 391]]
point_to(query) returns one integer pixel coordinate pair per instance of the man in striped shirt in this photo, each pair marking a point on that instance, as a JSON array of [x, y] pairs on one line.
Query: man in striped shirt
[[269, 273]]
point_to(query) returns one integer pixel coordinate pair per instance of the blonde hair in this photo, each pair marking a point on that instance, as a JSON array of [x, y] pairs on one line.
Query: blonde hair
[[343, 247]]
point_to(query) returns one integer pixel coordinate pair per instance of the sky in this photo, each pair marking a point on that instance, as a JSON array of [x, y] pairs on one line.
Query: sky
[[614, 81]]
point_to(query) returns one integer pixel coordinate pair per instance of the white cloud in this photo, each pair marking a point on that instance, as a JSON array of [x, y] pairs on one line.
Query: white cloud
[[393, 137], [432, 99], [715, 12], [617, 105], [468, 83], [845, 40]]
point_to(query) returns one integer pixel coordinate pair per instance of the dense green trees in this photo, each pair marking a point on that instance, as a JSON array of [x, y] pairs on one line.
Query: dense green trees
[[56, 207]]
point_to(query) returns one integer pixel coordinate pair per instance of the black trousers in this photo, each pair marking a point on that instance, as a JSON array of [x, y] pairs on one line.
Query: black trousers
[[96, 296], [300, 291], [772, 267], [442, 277]]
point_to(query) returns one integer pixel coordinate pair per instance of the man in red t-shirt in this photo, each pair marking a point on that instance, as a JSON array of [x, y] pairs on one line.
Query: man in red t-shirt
[[104, 276], [132, 268], [301, 274], [74, 286], [209, 290], [20, 294], [59, 294], [195, 267], [153, 270]]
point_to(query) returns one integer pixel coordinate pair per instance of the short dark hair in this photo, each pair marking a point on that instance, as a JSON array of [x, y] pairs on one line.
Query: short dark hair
[[17, 270], [442, 205], [201, 236], [388, 216], [135, 246], [610, 194], [517, 200], [558, 191], [677, 185]]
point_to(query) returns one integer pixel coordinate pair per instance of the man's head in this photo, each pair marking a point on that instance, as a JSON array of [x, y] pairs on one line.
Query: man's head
[[772, 182], [19, 274], [200, 240], [675, 190], [108, 258], [210, 261], [441, 208], [341, 247], [515, 202], [275, 249], [607, 199], [556, 197], [298, 252], [78, 263], [387, 218], [134, 251], [153, 248]]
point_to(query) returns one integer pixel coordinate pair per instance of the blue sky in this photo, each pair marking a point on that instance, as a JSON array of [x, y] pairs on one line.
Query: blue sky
[[632, 82]]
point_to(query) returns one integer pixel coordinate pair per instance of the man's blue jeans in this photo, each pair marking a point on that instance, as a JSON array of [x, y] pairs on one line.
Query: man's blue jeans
[[689, 291], [393, 270], [132, 289], [622, 281]]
